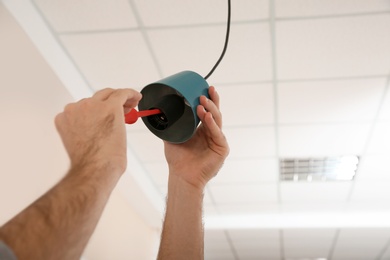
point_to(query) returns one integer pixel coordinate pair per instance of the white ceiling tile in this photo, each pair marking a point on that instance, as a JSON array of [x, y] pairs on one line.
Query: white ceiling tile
[[247, 171], [310, 243], [256, 253], [304, 206], [219, 255], [255, 106], [309, 252], [322, 140], [370, 191], [286, 8], [269, 237], [216, 245], [186, 12], [386, 255], [384, 114], [339, 47], [116, 60], [251, 143], [249, 193], [210, 210], [314, 191], [373, 168], [256, 243], [248, 208], [207, 199], [327, 101], [146, 146], [73, 15], [158, 171], [360, 243], [359, 206], [380, 140], [247, 58]]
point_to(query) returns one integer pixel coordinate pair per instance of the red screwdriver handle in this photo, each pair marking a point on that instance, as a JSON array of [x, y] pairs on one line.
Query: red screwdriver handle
[[133, 115], [149, 112]]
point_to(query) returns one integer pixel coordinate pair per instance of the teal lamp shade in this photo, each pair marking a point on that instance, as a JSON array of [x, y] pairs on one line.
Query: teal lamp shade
[[177, 97]]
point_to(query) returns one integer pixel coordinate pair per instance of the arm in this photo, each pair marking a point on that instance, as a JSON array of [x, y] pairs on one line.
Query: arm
[[59, 224], [191, 166]]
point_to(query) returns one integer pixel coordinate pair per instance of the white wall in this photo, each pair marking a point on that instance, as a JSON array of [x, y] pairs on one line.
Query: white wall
[[32, 157]]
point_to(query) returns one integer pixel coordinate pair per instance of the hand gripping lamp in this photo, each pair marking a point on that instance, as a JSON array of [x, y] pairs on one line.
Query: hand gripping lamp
[[169, 105]]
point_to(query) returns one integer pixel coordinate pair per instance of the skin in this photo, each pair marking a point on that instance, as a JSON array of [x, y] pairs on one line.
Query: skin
[[59, 224], [191, 166]]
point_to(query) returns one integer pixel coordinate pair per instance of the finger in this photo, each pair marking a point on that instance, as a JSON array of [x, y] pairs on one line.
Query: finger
[[211, 107], [214, 130], [103, 94], [128, 98], [214, 96]]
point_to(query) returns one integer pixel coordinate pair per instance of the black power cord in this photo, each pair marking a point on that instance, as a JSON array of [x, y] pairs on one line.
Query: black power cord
[[226, 42]]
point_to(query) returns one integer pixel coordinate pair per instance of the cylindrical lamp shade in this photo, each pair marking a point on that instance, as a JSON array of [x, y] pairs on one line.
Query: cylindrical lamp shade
[[177, 97]]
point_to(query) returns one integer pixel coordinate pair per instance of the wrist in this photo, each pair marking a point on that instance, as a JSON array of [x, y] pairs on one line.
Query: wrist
[[193, 180], [103, 176], [178, 184]]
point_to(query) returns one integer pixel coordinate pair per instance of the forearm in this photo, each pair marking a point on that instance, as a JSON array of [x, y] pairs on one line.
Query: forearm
[[182, 235], [59, 224]]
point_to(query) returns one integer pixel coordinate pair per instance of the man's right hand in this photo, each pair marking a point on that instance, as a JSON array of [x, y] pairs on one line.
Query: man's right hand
[[93, 129]]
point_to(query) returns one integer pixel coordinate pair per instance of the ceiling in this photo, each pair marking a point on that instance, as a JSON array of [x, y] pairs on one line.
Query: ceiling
[[303, 78]]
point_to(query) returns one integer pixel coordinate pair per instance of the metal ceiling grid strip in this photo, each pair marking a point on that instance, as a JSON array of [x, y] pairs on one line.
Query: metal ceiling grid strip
[[334, 243], [146, 38], [382, 253], [275, 87]]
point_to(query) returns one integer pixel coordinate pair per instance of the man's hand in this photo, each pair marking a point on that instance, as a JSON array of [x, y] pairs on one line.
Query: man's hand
[[59, 224], [191, 165], [199, 159], [93, 129]]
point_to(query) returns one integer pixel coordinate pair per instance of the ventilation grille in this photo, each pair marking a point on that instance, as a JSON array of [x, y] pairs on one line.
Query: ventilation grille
[[341, 168]]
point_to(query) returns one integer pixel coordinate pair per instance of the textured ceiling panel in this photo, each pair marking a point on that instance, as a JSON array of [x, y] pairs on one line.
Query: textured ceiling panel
[[198, 48], [251, 142], [185, 12], [330, 101], [248, 171], [286, 8], [323, 140], [119, 60], [244, 105], [380, 142], [339, 47], [315, 192], [87, 15]]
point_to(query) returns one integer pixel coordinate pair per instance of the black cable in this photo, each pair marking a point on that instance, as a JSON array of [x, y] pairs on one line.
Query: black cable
[[226, 42]]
